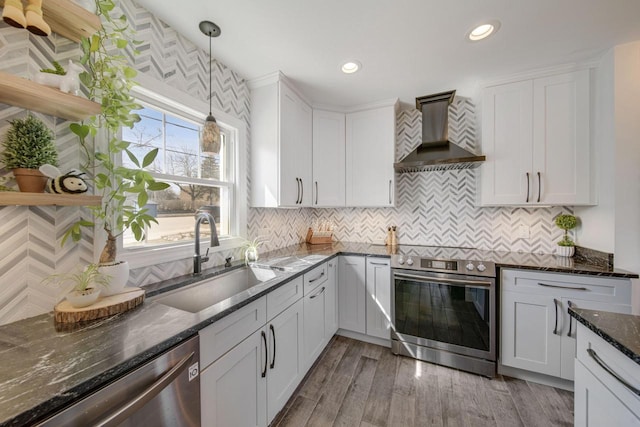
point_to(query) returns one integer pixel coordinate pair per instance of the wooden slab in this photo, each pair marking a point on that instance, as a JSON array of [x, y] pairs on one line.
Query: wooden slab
[[105, 306]]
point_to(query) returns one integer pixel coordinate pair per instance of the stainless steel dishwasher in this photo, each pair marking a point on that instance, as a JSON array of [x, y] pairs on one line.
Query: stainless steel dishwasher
[[163, 392]]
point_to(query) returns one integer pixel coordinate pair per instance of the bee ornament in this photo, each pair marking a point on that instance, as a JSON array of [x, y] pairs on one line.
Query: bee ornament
[[71, 182]]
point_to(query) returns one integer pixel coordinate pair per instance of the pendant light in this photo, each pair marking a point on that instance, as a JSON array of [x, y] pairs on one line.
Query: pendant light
[[210, 138]]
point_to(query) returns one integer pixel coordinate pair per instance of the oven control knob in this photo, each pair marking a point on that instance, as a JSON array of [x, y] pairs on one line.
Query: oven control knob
[[400, 260], [470, 266], [409, 261], [481, 268]]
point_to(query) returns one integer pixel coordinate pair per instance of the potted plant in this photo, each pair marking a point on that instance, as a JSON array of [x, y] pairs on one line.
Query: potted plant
[[566, 222], [124, 191], [83, 287], [28, 145], [251, 250]]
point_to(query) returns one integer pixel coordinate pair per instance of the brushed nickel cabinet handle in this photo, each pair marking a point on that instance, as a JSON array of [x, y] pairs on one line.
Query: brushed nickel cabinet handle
[[298, 196], [611, 372], [570, 304], [539, 187], [318, 294], [313, 280], [390, 182], [302, 192], [555, 328], [562, 287], [264, 340], [273, 358], [527, 187], [316, 192]]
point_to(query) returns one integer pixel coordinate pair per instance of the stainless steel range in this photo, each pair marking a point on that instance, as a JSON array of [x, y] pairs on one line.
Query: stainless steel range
[[444, 311]]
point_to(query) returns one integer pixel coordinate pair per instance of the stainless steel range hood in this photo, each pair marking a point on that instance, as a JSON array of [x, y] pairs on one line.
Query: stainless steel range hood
[[436, 151]]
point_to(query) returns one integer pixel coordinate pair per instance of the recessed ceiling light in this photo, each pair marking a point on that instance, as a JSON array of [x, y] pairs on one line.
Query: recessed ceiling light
[[483, 31], [350, 67]]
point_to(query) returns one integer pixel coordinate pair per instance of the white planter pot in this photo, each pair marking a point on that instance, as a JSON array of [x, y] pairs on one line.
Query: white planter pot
[[84, 298], [119, 276], [566, 251]]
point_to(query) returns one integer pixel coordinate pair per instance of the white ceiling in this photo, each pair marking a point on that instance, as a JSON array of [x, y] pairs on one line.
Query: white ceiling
[[408, 48]]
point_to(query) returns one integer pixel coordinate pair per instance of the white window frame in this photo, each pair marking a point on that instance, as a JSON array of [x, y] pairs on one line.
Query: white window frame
[[176, 102]]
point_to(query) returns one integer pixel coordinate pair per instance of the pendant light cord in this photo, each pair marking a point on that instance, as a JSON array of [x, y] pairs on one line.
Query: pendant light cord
[[210, 37]]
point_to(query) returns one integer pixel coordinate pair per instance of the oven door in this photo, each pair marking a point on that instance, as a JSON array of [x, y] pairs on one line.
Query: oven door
[[443, 311]]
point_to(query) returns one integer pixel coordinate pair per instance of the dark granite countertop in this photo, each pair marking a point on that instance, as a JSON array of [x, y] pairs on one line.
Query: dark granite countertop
[[45, 366], [620, 330]]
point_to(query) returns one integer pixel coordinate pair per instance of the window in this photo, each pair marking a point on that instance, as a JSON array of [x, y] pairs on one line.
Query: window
[[198, 181]]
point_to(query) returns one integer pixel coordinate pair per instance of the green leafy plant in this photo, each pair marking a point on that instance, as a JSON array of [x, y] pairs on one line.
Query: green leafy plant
[[57, 69], [29, 144], [81, 279], [251, 248], [124, 191], [566, 222]]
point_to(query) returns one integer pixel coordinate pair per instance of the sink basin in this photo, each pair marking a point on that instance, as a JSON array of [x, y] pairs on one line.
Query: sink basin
[[207, 293]]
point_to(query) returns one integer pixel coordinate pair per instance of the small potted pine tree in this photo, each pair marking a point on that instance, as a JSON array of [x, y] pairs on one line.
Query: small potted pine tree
[[566, 246], [28, 145]]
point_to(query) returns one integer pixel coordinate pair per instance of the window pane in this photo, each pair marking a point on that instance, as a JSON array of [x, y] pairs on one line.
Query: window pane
[[182, 164], [176, 208], [148, 131], [182, 138]]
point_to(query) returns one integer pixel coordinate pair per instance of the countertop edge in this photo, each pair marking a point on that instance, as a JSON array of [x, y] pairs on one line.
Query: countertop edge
[[605, 336]]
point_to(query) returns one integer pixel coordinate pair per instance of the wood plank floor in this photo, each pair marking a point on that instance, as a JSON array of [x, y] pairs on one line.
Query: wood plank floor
[[360, 384]]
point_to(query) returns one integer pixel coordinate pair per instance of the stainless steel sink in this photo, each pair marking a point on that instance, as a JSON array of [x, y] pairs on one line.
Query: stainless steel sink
[[207, 293]]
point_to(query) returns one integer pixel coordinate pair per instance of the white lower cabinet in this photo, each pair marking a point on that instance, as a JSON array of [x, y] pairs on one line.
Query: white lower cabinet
[[285, 359], [233, 390], [351, 294], [378, 296], [600, 398], [314, 324], [331, 298], [536, 331], [252, 377]]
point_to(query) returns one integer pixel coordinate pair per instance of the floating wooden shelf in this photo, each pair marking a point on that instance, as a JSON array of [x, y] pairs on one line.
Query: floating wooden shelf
[[8, 198], [68, 19], [36, 97]]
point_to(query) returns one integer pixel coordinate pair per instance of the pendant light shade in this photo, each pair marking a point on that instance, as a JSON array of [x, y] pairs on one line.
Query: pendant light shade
[[210, 137]]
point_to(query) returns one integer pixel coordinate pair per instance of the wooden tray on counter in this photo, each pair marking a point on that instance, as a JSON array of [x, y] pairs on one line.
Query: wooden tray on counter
[[104, 307]]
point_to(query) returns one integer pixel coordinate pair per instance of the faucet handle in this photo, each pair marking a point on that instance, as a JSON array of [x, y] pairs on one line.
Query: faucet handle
[[205, 258]]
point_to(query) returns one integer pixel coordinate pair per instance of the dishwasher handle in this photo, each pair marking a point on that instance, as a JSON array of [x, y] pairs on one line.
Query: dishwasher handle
[[147, 395]]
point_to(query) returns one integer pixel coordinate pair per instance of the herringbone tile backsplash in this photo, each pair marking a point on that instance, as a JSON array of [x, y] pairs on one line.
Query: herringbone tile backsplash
[[434, 208]]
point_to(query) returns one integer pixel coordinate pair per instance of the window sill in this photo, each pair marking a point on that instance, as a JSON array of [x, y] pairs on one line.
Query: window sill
[[145, 257]]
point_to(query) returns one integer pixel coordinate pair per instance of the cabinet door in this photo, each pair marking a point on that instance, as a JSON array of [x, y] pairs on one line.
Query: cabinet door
[[331, 300], [233, 390], [285, 338], [527, 332], [328, 159], [304, 153], [289, 147], [370, 151], [507, 144], [561, 139], [596, 405], [379, 298], [314, 324], [352, 294], [569, 327]]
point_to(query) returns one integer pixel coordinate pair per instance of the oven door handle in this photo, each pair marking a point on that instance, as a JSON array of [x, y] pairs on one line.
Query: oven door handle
[[445, 281]]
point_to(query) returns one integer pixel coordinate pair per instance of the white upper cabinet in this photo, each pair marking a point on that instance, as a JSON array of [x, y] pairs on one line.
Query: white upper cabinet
[[370, 151], [281, 128], [536, 136], [328, 158]]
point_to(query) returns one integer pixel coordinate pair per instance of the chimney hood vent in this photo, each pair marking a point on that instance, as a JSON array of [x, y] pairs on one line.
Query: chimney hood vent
[[436, 151]]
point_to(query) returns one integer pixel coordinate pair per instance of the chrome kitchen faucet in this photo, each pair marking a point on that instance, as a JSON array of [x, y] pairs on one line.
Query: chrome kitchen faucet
[[197, 258]]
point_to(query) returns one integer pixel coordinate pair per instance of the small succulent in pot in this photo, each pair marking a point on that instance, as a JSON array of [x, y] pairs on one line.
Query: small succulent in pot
[[29, 144], [251, 250], [82, 286], [566, 222]]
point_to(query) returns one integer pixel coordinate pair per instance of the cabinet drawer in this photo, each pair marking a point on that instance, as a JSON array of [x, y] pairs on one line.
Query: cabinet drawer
[[570, 285], [615, 361], [283, 297], [226, 333], [315, 277]]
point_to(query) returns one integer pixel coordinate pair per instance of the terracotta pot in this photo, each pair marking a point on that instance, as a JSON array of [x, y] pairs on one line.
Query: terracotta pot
[[30, 180]]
